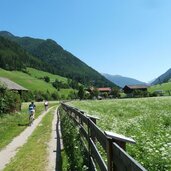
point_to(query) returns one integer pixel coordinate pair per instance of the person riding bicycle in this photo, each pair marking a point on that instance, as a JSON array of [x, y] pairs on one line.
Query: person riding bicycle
[[46, 104], [32, 108]]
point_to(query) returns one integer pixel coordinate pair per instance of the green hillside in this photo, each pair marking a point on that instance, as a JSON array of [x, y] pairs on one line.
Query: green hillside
[[40, 74], [32, 83], [166, 87]]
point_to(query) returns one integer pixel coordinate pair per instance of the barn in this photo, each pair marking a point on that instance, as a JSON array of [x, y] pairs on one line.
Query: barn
[[10, 85], [128, 89]]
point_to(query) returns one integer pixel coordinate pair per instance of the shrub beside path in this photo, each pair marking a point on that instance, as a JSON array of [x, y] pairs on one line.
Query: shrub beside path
[[7, 153]]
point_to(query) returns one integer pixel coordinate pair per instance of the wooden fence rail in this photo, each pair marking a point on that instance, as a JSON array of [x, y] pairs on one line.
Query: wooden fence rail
[[114, 145]]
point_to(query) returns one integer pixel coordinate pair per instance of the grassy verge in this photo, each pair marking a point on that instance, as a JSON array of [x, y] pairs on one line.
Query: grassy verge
[[147, 120], [64, 161], [12, 125], [33, 155], [74, 155]]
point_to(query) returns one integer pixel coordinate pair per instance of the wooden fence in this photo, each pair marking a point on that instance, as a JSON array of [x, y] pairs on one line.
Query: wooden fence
[[114, 145]]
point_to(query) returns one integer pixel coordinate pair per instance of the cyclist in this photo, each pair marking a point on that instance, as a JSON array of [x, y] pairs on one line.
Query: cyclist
[[46, 105], [32, 108]]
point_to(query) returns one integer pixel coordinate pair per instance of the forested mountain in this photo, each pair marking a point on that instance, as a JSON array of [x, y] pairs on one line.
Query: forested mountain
[[164, 78], [61, 62], [13, 57], [122, 81]]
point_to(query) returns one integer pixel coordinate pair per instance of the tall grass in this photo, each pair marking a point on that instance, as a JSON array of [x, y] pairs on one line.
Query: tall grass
[[146, 120], [74, 154]]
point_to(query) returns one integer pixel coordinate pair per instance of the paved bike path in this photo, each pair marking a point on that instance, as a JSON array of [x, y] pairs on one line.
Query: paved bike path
[[7, 153]]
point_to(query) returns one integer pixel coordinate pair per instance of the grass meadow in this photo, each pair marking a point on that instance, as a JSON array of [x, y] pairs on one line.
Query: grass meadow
[[33, 82], [26, 80], [34, 155], [39, 74], [146, 120], [12, 125]]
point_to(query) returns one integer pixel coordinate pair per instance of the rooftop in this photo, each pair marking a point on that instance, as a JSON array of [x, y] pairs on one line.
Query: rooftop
[[104, 89], [137, 86], [10, 84]]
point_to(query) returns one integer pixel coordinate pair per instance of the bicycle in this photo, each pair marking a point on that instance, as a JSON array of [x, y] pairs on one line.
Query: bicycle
[[31, 118]]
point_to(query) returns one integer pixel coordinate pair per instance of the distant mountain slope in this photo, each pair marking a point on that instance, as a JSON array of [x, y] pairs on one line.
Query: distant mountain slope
[[164, 78], [122, 81], [61, 61]]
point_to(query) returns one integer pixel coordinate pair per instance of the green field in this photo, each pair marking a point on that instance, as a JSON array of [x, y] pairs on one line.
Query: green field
[[40, 74], [31, 81], [146, 120], [12, 125]]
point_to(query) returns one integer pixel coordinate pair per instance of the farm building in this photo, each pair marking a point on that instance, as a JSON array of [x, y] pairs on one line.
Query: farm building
[[102, 92], [11, 85], [128, 89]]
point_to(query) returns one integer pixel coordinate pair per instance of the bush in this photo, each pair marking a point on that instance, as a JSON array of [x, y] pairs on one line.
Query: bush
[[55, 96], [72, 95], [40, 95], [140, 93], [27, 96], [9, 101], [47, 79]]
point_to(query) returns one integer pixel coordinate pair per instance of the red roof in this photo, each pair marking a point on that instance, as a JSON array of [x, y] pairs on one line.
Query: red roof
[[104, 89]]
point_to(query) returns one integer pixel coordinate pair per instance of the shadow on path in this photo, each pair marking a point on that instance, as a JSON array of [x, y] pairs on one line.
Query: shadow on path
[[25, 124]]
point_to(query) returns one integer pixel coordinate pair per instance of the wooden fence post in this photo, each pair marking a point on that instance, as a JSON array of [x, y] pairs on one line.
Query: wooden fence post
[[93, 119], [81, 122], [91, 136], [89, 149], [91, 132], [109, 155]]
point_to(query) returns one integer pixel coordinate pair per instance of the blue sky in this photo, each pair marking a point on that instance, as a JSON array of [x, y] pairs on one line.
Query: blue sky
[[119, 37]]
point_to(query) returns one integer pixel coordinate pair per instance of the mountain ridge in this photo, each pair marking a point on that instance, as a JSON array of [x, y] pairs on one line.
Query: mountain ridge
[[163, 78], [61, 61], [122, 81]]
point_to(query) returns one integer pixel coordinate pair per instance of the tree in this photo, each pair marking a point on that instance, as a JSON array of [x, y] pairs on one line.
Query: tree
[[9, 101], [47, 79], [115, 92], [94, 93], [55, 96], [81, 92]]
